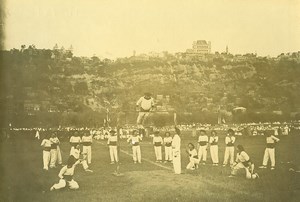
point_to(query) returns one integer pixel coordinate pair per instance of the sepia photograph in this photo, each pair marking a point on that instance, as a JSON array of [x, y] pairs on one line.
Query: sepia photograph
[[149, 100]]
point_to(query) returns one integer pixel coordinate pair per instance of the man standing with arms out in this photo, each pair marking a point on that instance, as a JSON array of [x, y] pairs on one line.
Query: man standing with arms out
[[112, 143], [168, 147], [145, 104], [213, 140], [202, 142], [87, 141], [157, 142], [46, 144], [176, 143], [270, 151], [134, 140], [229, 150], [74, 141]]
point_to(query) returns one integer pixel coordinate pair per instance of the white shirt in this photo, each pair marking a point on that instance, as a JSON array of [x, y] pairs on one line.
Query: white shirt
[[213, 139], [157, 139], [134, 139], [74, 139], [168, 141], [242, 157], [229, 140], [87, 138], [272, 139], [75, 153], [46, 143], [65, 171], [193, 153], [145, 104], [112, 139], [176, 142], [203, 139], [54, 140]]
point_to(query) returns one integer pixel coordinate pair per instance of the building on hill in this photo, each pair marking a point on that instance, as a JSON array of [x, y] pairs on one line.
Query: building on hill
[[200, 47]]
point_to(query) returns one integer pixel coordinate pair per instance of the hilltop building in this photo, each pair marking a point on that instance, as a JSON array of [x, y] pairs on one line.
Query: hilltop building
[[200, 47]]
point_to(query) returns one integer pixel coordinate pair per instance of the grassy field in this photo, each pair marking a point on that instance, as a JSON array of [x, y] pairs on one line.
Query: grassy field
[[24, 180]]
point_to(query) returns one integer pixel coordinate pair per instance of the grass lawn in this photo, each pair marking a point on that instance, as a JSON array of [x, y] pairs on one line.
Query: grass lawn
[[23, 178]]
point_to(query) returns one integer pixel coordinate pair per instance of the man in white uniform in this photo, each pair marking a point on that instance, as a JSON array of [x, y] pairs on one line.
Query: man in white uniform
[[270, 151], [134, 140], [46, 144], [193, 156], [168, 147], [157, 142], [229, 150], [66, 175], [176, 143], [213, 140], [145, 105], [76, 154], [53, 152], [74, 141], [112, 143], [87, 141], [202, 143], [243, 162]]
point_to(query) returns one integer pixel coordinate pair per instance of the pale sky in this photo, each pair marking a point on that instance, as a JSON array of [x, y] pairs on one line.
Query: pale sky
[[114, 28]]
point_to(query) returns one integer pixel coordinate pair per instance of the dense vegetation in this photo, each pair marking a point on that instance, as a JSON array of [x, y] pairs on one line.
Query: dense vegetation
[[54, 87]]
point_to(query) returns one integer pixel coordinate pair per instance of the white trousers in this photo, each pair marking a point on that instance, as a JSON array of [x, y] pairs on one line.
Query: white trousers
[[136, 153], [46, 159], [113, 152], [158, 154], [240, 166], [88, 151], [84, 164], [269, 154], [71, 150], [142, 118], [53, 157], [177, 162], [214, 153], [202, 153], [229, 153], [59, 158], [192, 163], [63, 183], [168, 153]]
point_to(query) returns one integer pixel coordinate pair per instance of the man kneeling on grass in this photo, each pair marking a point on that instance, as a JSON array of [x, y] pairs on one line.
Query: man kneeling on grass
[[66, 175], [193, 156], [243, 162]]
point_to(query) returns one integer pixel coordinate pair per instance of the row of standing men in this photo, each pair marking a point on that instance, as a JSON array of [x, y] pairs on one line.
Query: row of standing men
[[52, 153]]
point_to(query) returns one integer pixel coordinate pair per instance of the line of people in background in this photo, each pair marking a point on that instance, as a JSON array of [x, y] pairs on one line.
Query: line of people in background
[[172, 146]]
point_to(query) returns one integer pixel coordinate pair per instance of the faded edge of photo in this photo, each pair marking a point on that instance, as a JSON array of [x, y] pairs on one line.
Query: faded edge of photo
[[3, 87], [2, 23], [2, 84]]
